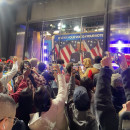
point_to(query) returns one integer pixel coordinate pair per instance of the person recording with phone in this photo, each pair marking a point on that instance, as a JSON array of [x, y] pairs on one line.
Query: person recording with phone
[[68, 74], [34, 79], [117, 61]]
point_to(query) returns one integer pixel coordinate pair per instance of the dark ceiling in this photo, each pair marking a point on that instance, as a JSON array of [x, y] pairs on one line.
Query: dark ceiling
[[21, 1]]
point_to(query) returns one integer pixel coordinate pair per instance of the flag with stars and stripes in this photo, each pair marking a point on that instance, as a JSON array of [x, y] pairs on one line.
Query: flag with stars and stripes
[[76, 47]]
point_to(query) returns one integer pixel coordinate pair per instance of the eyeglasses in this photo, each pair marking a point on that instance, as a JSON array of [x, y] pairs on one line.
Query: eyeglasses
[[15, 119]]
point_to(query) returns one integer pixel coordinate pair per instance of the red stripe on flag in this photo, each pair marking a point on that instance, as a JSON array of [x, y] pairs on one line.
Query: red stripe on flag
[[81, 56], [98, 50], [63, 53], [56, 50], [76, 49], [68, 49], [93, 51], [85, 49]]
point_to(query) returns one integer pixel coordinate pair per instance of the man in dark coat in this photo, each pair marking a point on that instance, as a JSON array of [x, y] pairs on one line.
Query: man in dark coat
[[78, 108]]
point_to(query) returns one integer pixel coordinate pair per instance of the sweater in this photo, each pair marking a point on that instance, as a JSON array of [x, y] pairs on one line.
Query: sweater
[[15, 95]]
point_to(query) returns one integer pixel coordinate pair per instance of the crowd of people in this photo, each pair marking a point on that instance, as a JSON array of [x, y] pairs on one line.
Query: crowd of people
[[36, 96]]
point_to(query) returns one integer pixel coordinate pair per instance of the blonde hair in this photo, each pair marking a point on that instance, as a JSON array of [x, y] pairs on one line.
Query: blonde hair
[[87, 62]]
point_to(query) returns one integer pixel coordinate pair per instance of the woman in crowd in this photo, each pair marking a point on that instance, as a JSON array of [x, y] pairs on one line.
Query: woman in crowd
[[50, 113]]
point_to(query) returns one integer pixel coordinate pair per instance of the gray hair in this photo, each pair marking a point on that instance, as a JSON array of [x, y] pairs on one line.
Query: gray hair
[[7, 105], [116, 80]]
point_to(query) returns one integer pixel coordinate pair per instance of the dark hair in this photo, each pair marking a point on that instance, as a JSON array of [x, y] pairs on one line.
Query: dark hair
[[1, 67], [26, 99], [42, 100], [88, 84], [60, 61], [25, 105], [5, 68], [41, 67], [98, 59], [21, 66], [69, 67], [3, 59], [28, 63]]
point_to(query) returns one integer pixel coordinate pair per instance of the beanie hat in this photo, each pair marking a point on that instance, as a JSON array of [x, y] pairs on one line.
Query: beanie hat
[[81, 99], [116, 80]]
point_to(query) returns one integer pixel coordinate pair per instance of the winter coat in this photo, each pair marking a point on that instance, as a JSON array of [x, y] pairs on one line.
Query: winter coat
[[79, 120]]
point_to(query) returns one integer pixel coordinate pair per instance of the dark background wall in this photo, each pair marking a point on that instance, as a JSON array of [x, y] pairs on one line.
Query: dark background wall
[[7, 30], [14, 14]]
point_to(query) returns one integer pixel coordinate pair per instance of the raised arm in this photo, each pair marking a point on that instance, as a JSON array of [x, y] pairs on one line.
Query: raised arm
[[71, 87], [62, 87], [11, 74], [105, 112], [22, 85]]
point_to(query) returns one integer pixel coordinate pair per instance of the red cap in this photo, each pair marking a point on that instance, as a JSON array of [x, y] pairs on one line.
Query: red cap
[[127, 59], [9, 61]]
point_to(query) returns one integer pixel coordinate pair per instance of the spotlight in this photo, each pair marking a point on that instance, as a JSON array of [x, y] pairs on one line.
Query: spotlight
[[45, 47], [45, 62], [48, 34], [56, 32], [63, 26], [120, 45], [59, 24], [77, 29], [101, 29], [45, 55]]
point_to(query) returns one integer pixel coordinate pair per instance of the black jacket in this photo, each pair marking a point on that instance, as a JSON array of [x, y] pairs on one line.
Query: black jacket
[[105, 111], [118, 98], [126, 83], [79, 120]]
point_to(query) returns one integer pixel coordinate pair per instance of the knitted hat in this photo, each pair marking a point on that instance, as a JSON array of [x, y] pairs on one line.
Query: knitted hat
[[81, 99], [116, 80]]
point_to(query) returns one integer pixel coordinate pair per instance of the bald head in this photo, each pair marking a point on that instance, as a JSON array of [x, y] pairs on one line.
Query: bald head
[[7, 106]]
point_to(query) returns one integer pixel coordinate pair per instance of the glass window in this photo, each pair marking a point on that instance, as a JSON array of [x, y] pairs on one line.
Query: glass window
[[70, 39], [20, 38], [70, 25], [92, 37], [120, 33], [51, 41], [33, 43]]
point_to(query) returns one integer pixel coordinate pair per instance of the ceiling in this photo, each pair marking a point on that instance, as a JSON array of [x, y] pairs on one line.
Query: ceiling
[[20, 1]]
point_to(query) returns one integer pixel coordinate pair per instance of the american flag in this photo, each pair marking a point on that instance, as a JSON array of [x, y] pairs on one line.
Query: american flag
[[68, 50]]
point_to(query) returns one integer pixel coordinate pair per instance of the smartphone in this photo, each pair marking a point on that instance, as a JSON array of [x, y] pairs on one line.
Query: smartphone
[[116, 58], [26, 64]]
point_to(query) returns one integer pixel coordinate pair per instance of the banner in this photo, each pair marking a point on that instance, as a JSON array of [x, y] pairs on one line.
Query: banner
[[67, 47]]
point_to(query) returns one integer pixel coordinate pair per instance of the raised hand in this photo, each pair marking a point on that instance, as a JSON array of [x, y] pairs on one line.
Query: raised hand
[[107, 60], [123, 62]]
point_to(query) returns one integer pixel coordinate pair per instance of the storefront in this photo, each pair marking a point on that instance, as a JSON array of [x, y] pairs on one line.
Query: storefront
[[37, 27]]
